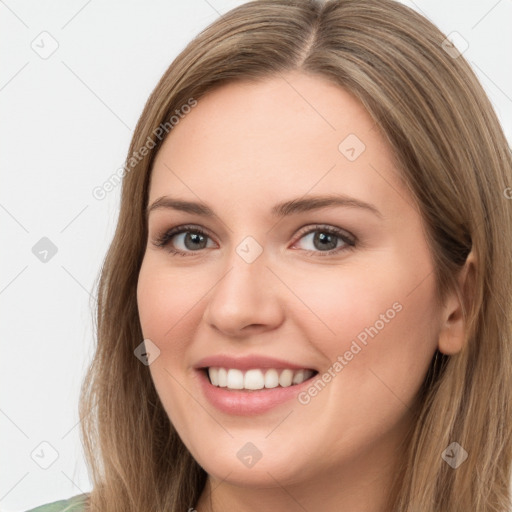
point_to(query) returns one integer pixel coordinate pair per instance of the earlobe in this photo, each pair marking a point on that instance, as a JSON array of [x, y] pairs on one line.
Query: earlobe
[[452, 334]]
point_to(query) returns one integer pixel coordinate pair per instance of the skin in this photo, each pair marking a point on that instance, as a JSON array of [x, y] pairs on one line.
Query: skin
[[242, 149]]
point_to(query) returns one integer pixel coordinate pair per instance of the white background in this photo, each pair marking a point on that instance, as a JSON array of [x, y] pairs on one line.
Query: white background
[[66, 125]]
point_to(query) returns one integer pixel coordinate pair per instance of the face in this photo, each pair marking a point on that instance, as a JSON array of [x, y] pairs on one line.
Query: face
[[295, 253]]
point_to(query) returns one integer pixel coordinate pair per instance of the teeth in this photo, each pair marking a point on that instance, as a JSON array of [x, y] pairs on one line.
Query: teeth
[[271, 378], [214, 376], [253, 379], [286, 378], [256, 378], [222, 377], [298, 377], [235, 379]]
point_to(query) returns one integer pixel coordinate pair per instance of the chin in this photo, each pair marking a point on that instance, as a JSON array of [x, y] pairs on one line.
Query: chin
[[236, 467]]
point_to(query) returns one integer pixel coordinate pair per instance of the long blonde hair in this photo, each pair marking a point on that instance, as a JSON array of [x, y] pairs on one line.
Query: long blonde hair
[[452, 153]]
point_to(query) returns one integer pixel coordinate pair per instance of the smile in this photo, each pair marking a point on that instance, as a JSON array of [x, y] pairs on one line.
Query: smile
[[256, 378], [244, 392]]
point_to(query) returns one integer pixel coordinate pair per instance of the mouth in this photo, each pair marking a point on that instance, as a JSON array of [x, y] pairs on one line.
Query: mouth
[[256, 379]]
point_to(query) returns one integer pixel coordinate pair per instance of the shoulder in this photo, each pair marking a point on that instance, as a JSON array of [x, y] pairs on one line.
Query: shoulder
[[73, 504]]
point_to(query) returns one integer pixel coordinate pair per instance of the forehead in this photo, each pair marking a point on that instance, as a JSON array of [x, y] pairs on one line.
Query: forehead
[[280, 137]]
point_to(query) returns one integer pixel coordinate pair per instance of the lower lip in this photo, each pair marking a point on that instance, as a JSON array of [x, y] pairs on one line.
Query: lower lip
[[247, 403]]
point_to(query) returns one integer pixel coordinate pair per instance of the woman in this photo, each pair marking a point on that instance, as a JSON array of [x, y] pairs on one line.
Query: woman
[[307, 301]]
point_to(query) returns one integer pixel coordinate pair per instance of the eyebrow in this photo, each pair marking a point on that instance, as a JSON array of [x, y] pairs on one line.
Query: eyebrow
[[284, 209]]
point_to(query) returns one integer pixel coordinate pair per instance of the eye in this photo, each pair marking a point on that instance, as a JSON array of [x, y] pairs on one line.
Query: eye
[[327, 240], [192, 238]]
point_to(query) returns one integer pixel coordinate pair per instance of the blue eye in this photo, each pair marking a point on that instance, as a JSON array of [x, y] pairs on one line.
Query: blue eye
[[328, 240]]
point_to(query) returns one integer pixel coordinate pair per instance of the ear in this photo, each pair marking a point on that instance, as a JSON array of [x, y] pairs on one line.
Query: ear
[[452, 331]]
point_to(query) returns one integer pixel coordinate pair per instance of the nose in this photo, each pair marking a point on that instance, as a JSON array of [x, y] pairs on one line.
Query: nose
[[245, 299]]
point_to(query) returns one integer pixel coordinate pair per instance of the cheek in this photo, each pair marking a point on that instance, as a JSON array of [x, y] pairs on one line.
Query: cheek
[[344, 304], [377, 354], [165, 301], [166, 314], [382, 322]]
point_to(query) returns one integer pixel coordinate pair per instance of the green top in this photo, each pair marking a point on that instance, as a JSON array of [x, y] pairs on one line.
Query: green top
[[73, 504]]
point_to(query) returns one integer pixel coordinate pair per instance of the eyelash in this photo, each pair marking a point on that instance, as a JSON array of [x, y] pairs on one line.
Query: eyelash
[[164, 239]]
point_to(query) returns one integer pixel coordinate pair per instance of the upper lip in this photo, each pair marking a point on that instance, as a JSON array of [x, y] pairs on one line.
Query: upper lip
[[247, 362]]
